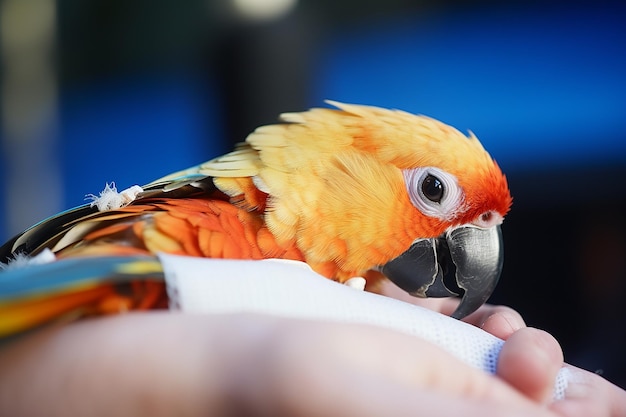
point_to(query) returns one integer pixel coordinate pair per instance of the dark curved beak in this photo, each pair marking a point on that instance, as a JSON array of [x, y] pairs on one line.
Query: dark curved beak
[[466, 260]]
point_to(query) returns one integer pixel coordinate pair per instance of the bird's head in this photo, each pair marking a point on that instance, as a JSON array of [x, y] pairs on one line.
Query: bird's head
[[360, 188]]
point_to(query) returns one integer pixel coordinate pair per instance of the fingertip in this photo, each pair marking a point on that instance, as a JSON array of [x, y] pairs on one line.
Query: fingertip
[[588, 394], [529, 361], [503, 323]]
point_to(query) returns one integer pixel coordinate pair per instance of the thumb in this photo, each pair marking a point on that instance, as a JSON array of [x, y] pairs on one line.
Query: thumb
[[529, 361]]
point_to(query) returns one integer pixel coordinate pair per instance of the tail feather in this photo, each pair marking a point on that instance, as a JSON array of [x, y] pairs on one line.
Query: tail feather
[[37, 294]]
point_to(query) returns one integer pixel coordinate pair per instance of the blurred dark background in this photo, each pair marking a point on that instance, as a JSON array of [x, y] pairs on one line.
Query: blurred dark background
[[113, 90]]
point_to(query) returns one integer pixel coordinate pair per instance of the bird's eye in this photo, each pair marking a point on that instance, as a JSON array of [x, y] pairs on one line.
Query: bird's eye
[[433, 191], [432, 188]]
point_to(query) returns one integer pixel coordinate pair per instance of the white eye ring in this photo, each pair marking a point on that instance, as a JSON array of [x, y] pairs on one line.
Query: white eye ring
[[447, 205]]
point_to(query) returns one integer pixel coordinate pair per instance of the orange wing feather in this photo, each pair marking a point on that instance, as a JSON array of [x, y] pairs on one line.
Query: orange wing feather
[[205, 227]]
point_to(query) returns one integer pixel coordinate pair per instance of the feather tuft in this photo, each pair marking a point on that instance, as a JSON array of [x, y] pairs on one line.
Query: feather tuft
[[21, 260], [110, 199]]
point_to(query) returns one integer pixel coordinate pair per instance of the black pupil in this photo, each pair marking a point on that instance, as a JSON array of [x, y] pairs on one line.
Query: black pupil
[[432, 188]]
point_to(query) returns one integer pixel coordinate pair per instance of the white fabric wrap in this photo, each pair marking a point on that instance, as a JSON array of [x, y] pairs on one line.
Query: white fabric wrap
[[292, 289]]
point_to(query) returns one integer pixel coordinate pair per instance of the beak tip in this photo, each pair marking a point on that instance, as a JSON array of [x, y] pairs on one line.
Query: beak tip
[[468, 305], [469, 255]]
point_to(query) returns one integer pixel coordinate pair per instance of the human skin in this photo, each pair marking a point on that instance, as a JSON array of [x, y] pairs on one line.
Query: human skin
[[519, 364], [163, 364]]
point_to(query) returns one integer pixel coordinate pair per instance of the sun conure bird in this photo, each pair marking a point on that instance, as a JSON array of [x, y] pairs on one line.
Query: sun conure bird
[[356, 191]]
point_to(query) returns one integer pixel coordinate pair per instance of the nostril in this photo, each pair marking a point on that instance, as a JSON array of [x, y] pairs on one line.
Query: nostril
[[488, 219]]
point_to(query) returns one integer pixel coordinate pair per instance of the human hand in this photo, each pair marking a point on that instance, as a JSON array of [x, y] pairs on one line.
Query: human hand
[[184, 364], [179, 364], [527, 360], [229, 365]]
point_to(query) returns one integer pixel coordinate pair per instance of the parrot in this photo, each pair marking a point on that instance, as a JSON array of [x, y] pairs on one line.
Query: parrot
[[352, 191]]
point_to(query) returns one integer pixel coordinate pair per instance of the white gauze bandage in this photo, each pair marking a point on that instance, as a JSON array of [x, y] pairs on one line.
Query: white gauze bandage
[[292, 289]]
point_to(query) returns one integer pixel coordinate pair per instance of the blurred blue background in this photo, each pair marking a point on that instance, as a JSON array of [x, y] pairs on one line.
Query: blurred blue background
[[109, 90]]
